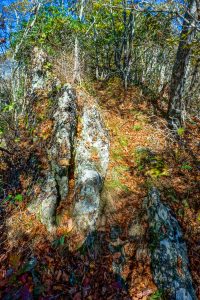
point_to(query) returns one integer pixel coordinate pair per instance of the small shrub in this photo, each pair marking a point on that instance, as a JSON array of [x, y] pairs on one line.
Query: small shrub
[[114, 182], [143, 156]]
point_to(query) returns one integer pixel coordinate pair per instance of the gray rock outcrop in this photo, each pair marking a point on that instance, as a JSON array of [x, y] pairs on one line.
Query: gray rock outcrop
[[170, 265], [91, 162], [91, 157], [55, 182]]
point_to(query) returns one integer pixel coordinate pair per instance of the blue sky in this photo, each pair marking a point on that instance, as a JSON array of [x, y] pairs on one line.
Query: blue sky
[[5, 2]]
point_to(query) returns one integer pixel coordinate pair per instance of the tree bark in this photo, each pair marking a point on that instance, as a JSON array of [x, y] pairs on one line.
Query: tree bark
[[176, 109], [77, 68]]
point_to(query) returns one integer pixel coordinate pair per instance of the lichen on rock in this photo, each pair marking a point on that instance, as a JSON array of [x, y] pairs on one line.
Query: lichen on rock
[[169, 258], [91, 162], [60, 152], [59, 149]]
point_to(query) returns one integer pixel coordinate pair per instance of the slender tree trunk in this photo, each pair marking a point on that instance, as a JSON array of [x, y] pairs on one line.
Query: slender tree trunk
[[77, 67], [117, 48], [127, 43], [176, 109], [125, 46], [77, 76], [96, 52]]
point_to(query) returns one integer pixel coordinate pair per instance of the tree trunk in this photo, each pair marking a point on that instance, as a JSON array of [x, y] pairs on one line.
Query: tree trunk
[[77, 68], [77, 76], [176, 109]]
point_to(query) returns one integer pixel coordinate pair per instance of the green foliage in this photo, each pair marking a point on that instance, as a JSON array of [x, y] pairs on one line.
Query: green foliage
[[171, 195], [115, 182], [59, 241], [143, 156], [123, 141], [137, 127], [198, 217], [154, 27], [1, 131], [8, 107], [117, 154], [101, 36], [158, 295], [50, 31], [18, 198], [48, 66], [186, 166], [185, 203], [14, 198], [181, 131], [157, 168], [150, 164]]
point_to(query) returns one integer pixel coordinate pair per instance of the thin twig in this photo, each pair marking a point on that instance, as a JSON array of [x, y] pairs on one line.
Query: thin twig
[[5, 150]]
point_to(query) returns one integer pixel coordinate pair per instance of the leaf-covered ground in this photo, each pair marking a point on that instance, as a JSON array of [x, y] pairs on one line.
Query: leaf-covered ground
[[114, 262]]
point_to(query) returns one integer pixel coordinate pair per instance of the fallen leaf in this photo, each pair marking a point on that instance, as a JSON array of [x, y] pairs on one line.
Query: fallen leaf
[[59, 275]]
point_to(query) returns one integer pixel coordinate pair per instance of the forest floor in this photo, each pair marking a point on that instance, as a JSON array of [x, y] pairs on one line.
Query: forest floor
[[113, 263]]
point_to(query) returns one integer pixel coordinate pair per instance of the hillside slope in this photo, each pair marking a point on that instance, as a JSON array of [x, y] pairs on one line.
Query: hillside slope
[[113, 261]]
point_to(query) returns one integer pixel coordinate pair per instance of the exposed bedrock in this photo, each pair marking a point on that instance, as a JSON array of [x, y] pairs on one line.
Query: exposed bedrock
[[169, 258], [91, 162], [38, 72], [91, 149], [55, 183], [61, 151]]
